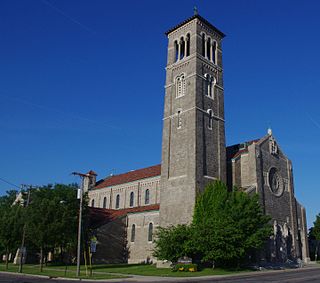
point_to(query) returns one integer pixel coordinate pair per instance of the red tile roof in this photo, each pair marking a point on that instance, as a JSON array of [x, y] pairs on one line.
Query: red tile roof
[[121, 212], [101, 216], [130, 176]]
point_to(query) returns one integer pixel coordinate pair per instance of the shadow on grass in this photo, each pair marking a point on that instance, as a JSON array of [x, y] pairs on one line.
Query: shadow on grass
[[119, 265]]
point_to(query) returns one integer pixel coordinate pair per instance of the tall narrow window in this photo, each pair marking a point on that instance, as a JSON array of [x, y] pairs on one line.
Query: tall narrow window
[[176, 47], [209, 48], [213, 86], [147, 196], [180, 86], [203, 45], [210, 112], [133, 233], [183, 82], [214, 52], [209, 86], [117, 201], [131, 198], [206, 84], [150, 232], [179, 123], [105, 202], [188, 44], [182, 47], [92, 203], [210, 82]]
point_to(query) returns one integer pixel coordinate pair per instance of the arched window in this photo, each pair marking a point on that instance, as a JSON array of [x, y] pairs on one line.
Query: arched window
[[188, 45], [179, 123], [203, 45], [183, 81], [214, 52], [180, 86], [176, 47], [210, 83], [133, 233], [131, 198], [209, 48], [150, 232], [182, 48], [147, 196], [117, 201], [92, 203], [210, 112], [104, 202]]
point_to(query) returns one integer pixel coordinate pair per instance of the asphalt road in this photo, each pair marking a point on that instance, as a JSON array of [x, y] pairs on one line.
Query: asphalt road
[[299, 275]]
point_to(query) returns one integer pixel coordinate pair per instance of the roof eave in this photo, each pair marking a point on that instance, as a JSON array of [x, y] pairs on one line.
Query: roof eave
[[201, 19]]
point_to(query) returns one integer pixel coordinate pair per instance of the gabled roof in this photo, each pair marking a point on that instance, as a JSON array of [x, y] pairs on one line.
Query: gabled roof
[[131, 176], [91, 172], [235, 150], [201, 19], [101, 216]]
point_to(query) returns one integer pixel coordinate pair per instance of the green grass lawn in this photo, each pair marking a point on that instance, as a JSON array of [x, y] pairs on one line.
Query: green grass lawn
[[109, 271], [152, 270], [56, 271]]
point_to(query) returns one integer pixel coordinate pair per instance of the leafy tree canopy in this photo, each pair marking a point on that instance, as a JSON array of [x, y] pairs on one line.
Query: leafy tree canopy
[[173, 242], [315, 230], [11, 223], [226, 227]]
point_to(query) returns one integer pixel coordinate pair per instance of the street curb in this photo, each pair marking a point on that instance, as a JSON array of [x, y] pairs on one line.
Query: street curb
[[25, 274], [138, 278], [124, 276]]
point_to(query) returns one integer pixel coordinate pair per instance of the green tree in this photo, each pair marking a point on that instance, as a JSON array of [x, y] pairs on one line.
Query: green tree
[[314, 237], [173, 242], [316, 228], [66, 217], [52, 218], [228, 225], [11, 224]]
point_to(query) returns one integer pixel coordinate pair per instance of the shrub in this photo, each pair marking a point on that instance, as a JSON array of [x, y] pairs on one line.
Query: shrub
[[185, 267]]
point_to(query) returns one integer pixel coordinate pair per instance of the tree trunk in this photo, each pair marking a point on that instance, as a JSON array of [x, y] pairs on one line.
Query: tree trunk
[[41, 259], [7, 259], [61, 254]]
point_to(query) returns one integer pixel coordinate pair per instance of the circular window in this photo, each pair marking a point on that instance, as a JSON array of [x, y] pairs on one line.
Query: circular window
[[275, 182]]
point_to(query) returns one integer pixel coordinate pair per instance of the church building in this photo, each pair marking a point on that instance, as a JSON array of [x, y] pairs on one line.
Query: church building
[[127, 208]]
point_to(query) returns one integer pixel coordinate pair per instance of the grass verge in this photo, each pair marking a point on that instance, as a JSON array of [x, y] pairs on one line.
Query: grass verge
[[57, 271], [152, 270], [111, 271]]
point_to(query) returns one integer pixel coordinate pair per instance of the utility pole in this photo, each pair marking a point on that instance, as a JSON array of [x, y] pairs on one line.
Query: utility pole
[[83, 187], [22, 248]]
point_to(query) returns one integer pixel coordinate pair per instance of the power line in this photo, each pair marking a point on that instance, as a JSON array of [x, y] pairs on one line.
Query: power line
[[9, 183], [60, 112], [68, 16]]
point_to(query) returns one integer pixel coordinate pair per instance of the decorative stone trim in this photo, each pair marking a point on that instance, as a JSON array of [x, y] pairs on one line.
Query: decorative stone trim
[[275, 182], [192, 108]]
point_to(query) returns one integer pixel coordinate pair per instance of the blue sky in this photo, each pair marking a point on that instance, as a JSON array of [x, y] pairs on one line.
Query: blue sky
[[82, 84]]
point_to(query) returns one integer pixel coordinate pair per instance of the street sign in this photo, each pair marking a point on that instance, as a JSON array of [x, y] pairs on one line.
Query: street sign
[[93, 244]]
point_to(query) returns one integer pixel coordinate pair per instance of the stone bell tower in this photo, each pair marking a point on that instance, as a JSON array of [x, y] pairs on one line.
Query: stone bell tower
[[193, 141]]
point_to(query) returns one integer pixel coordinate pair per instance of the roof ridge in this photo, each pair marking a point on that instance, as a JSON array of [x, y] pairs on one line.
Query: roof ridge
[[197, 16], [130, 176], [134, 170]]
